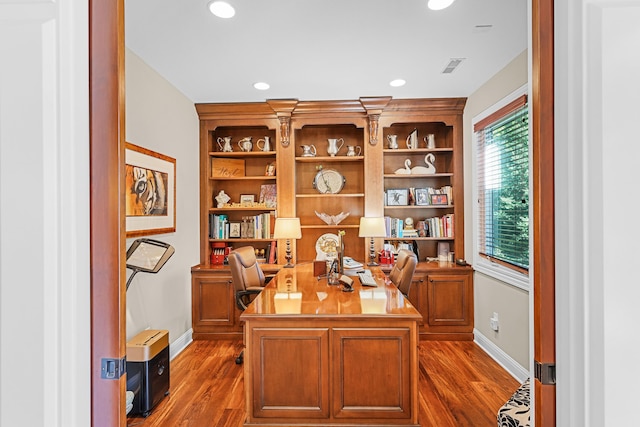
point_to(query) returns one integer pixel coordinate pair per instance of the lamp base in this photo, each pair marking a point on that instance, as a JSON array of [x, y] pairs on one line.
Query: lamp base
[[372, 255], [288, 256]]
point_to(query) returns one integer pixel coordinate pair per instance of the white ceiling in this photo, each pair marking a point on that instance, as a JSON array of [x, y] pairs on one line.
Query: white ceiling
[[325, 49]]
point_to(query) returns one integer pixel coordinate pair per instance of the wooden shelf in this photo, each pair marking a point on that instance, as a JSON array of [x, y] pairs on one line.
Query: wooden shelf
[[405, 151], [413, 176], [329, 159], [241, 240], [330, 227], [319, 195], [425, 239], [245, 178], [238, 209], [419, 207], [242, 154]]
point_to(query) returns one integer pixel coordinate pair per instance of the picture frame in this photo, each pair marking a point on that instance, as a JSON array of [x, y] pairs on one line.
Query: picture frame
[[397, 197], [270, 170], [246, 230], [150, 192], [247, 199], [235, 229], [268, 195], [439, 199], [422, 197]]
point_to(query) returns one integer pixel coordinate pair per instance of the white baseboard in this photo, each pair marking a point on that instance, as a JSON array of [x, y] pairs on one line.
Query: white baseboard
[[176, 347], [516, 370]]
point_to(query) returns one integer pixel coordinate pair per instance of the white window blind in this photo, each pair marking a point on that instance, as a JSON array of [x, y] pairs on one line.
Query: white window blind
[[503, 185]]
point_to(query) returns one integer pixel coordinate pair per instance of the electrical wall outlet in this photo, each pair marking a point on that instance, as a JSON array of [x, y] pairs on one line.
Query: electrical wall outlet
[[493, 322]]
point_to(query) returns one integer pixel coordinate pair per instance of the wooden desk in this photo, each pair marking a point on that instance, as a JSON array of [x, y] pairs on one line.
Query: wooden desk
[[317, 356]]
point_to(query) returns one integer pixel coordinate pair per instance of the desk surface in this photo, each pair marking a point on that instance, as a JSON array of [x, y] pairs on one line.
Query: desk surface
[[296, 292]]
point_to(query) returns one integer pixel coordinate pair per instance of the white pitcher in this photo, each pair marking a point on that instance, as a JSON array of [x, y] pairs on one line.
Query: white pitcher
[[412, 140], [308, 150], [333, 147], [225, 144], [354, 150], [430, 140], [266, 145], [245, 144], [393, 141]]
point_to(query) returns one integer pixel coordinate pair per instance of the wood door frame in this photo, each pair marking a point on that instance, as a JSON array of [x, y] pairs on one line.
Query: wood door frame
[[106, 118], [107, 112], [542, 87]]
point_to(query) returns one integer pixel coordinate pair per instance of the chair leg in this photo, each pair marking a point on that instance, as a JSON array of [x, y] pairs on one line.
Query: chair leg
[[240, 358]]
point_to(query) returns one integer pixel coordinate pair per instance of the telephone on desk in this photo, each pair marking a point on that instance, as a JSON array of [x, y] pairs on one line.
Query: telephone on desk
[[349, 262]]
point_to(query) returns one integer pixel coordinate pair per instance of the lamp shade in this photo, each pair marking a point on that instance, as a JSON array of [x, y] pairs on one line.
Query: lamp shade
[[372, 227], [287, 228]]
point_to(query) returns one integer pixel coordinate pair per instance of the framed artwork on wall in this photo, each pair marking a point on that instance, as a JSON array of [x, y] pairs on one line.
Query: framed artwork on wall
[[150, 192]]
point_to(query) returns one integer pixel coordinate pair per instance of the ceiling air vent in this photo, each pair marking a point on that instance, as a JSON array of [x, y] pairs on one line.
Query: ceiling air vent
[[482, 28], [452, 65]]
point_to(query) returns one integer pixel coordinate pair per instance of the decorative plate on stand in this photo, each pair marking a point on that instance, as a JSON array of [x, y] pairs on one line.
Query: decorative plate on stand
[[327, 247]]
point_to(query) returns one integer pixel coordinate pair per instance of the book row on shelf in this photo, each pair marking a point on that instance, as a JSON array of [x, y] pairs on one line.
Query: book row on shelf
[[250, 227], [411, 196], [429, 227]]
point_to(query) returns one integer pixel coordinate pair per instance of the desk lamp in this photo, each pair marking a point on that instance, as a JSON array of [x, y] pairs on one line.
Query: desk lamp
[[372, 227], [287, 228], [148, 256]]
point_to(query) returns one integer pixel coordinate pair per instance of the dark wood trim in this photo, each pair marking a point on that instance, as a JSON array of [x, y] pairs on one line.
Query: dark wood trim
[[543, 203], [514, 105], [106, 109]]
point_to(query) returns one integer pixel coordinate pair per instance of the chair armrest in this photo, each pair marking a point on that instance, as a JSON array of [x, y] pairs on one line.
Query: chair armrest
[[241, 295]]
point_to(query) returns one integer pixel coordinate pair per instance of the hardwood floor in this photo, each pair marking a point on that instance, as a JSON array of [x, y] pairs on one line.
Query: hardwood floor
[[459, 386]]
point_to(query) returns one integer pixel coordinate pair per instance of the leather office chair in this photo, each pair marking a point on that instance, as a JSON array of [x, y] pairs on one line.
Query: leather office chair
[[402, 272], [248, 279]]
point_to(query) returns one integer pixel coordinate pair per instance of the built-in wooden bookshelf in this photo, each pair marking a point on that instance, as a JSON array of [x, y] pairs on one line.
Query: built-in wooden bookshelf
[[294, 126]]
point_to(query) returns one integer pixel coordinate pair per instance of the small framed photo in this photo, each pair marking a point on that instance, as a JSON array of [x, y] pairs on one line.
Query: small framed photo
[[439, 199], [246, 230], [234, 229], [422, 197], [247, 199], [397, 197], [270, 170]]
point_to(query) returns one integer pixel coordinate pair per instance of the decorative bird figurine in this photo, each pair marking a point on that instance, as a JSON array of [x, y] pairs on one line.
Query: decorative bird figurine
[[406, 170], [332, 219], [429, 169]]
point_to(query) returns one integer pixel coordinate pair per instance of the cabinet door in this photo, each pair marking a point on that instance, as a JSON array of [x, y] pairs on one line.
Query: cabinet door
[[449, 300], [213, 304]]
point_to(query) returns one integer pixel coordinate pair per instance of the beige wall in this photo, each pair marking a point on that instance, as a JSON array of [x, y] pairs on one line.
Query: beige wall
[[490, 295], [160, 118]]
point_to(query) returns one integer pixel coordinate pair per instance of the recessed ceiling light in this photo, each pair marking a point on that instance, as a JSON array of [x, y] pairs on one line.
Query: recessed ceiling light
[[397, 82], [222, 9], [261, 85], [439, 4]]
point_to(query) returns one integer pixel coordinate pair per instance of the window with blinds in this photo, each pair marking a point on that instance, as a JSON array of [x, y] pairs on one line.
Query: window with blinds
[[502, 170]]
